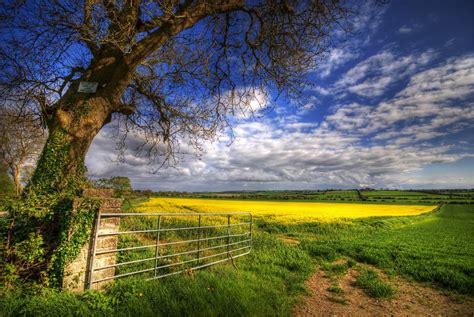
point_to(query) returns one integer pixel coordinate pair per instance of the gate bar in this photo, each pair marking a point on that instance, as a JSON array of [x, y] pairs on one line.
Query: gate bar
[[172, 264], [173, 243], [167, 256]]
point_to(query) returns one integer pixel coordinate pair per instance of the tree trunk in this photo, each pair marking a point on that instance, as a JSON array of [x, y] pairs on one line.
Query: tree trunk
[[58, 177], [61, 167], [60, 171], [78, 118], [16, 173]]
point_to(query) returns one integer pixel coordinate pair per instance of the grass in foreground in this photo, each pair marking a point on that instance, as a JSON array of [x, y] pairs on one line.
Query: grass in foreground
[[266, 282], [434, 248]]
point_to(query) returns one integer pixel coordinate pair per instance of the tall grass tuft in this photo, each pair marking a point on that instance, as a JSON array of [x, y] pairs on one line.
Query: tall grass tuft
[[373, 285]]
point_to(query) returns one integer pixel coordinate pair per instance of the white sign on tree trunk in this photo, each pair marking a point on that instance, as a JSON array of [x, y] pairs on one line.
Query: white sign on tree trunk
[[87, 87]]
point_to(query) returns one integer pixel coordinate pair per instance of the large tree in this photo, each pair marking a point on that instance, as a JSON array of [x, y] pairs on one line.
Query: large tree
[[172, 70]]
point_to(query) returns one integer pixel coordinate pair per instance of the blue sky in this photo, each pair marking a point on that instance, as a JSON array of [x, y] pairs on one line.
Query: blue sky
[[390, 106]]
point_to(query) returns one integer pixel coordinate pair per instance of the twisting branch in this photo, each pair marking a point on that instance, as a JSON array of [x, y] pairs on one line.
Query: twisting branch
[[175, 72]]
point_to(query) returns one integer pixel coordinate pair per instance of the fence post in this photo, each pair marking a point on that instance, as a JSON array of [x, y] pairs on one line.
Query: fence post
[[251, 231], [157, 249], [228, 236], [92, 250], [199, 240], [79, 273]]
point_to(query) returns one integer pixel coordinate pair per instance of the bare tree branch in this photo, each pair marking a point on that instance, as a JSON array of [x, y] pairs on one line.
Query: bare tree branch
[[172, 71]]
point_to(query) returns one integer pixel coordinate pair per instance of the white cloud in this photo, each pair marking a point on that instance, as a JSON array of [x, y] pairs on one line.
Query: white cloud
[[373, 76], [405, 29], [336, 57], [356, 145], [427, 104], [321, 90]]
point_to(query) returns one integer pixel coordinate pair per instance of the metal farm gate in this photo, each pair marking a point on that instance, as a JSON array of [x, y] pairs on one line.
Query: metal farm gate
[[156, 245]]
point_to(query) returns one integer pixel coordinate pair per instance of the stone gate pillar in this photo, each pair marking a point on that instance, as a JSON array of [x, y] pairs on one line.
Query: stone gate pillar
[[76, 273]]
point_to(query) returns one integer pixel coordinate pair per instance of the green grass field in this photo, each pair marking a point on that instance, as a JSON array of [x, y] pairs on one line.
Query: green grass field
[[435, 249]]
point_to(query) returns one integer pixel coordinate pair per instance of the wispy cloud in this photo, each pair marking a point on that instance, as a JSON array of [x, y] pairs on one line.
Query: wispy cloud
[[350, 47], [384, 110], [420, 111], [373, 76], [336, 57], [406, 29], [356, 145]]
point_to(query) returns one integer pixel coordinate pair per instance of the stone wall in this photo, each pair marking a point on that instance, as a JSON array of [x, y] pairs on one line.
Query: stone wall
[[76, 272]]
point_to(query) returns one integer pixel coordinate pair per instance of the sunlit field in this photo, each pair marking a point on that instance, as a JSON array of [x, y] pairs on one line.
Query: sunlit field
[[283, 212]]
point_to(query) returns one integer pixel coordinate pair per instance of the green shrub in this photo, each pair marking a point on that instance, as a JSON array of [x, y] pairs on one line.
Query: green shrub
[[30, 250]]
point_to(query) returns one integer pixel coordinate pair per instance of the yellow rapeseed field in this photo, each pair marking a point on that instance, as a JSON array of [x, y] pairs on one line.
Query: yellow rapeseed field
[[285, 212]]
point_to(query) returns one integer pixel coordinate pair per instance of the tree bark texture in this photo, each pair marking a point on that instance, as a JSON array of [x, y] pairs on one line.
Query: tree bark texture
[[77, 119], [16, 173], [61, 164]]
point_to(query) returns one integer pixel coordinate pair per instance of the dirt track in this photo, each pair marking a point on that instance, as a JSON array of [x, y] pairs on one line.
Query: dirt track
[[411, 299]]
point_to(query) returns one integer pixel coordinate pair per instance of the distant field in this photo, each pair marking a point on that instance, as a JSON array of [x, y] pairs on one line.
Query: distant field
[[283, 212], [370, 196]]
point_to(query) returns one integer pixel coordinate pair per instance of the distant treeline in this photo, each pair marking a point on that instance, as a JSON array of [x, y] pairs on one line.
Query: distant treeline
[[464, 196]]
